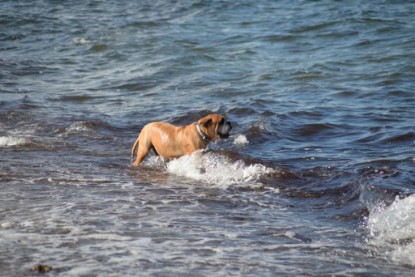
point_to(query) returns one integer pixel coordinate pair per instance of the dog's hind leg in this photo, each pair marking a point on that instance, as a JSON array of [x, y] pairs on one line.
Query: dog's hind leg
[[143, 145], [134, 147], [141, 154]]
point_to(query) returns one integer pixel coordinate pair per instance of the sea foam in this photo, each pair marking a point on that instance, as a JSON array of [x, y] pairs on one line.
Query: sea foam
[[393, 230], [11, 141], [216, 169], [240, 140]]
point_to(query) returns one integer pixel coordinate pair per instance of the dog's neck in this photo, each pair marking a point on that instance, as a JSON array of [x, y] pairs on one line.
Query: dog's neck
[[201, 134]]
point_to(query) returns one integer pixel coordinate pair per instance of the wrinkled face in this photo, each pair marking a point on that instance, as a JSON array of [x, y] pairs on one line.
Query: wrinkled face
[[214, 126]]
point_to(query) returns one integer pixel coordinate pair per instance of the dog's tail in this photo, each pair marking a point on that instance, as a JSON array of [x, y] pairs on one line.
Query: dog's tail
[[134, 147]]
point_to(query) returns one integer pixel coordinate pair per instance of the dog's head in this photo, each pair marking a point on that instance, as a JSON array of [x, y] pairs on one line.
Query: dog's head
[[215, 126]]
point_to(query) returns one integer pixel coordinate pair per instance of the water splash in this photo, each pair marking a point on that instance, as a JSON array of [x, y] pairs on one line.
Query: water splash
[[240, 140], [392, 229], [11, 141], [217, 169]]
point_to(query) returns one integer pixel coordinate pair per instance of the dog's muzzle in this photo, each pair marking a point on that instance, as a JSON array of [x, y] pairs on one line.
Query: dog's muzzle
[[224, 130]]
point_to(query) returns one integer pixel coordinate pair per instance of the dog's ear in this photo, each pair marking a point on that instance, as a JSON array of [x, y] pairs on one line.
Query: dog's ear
[[207, 122]]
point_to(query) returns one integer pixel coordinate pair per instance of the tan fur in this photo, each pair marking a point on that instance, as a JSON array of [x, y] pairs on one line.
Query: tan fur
[[170, 141]]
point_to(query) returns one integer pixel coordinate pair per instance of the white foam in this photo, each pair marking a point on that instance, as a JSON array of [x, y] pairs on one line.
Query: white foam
[[111, 237], [393, 230], [154, 162], [7, 224], [11, 141], [240, 140], [77, 127], [216, 169], [80, 40], [290, 234]]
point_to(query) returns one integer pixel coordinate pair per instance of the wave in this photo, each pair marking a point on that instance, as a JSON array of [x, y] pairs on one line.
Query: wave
[[392, 230], [6, 142], [217, 169], [29, 143], [240, 140], [315, 130], [93, 128], [401, 138], [213, 168]]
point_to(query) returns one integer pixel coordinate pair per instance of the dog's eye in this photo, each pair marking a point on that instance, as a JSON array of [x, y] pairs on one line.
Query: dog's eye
[[222, 121]]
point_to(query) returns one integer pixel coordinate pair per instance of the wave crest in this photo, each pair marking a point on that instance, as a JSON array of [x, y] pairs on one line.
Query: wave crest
[[12, 141], [393, 229], [217, 169]]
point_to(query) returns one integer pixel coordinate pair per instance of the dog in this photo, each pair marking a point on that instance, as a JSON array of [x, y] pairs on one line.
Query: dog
[[170, 141]]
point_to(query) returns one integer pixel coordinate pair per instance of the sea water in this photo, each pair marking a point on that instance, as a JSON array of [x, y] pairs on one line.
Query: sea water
[[316, 179]]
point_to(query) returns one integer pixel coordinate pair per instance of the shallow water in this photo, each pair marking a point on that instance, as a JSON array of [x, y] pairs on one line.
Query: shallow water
[[316, 179]]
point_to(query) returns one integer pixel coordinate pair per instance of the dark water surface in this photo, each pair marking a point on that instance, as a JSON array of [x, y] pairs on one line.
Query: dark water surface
[[317, 178]]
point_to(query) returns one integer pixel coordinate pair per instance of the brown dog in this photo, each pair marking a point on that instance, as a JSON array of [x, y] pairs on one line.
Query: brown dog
[[171, 141]]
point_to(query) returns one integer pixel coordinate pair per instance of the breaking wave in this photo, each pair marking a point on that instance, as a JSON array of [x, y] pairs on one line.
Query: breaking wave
[[6, 142], [217, 169], [392, 230]]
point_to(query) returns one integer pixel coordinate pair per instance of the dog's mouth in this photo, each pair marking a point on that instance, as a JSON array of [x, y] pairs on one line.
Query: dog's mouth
[[224, 130], [223, 136]]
